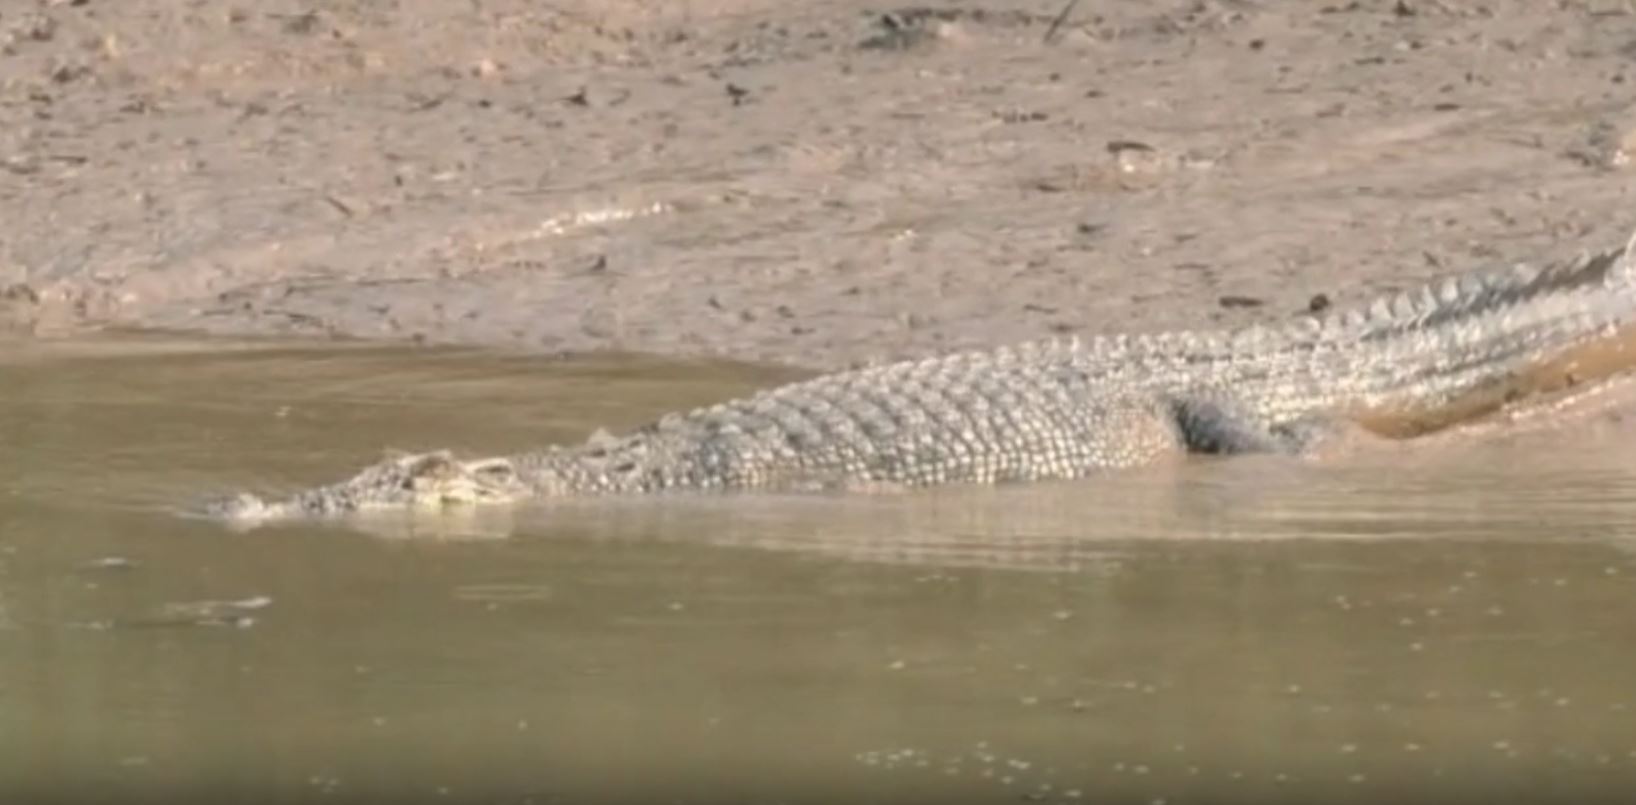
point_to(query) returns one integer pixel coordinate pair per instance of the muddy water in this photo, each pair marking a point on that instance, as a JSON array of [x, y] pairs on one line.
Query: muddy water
[[1455, 620]]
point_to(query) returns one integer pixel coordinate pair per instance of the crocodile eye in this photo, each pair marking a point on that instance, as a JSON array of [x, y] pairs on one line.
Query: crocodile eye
[[430, 465], [496, 472]]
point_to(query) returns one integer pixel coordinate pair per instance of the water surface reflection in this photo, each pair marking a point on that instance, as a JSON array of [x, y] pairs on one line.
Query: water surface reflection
[[1454, 619]]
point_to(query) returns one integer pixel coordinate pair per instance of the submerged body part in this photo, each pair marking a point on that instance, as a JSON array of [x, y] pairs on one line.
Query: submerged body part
[[1410, 363]]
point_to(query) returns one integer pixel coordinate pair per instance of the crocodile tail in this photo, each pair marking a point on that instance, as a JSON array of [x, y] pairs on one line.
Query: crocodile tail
[[1477, 292]]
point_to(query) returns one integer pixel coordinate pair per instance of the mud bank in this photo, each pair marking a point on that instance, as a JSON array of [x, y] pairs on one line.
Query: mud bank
[[812, 183]]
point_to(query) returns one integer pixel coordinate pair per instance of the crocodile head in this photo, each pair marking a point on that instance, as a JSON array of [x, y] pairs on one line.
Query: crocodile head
[[410, 482]]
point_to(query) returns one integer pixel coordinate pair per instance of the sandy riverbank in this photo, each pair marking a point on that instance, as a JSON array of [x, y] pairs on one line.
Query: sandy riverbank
[[812, 183]]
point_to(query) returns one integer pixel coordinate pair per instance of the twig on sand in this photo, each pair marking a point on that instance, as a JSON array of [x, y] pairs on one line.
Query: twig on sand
[[1062, 17]]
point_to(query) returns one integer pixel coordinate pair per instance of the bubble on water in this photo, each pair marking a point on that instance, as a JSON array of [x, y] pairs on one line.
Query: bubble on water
[[108, 563], [1347, 749], [1355, 779], [1293, 689], [1502, 745], [1411, 747]]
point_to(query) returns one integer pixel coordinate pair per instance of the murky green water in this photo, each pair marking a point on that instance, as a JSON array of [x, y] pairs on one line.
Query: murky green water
[[1459, 620]]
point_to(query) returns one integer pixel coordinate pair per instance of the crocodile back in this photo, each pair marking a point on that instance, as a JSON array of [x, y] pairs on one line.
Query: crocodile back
[[1492, 338]]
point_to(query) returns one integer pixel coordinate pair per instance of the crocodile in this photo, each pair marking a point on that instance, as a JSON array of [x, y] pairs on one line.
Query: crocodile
[[1407, 364]]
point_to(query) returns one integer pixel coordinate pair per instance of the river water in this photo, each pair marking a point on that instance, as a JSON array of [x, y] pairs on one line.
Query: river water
[[1448, 620]]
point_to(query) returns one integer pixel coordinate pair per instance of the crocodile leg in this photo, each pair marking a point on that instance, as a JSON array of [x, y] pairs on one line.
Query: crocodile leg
[[1219, 427]]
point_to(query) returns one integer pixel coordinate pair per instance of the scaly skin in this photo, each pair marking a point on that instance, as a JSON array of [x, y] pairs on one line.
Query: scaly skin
[[1407, 364]]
